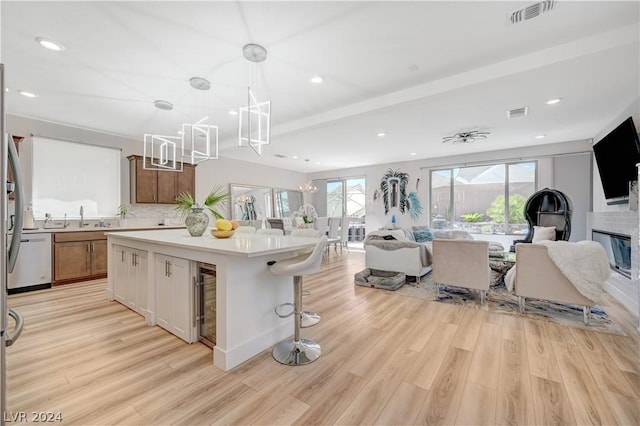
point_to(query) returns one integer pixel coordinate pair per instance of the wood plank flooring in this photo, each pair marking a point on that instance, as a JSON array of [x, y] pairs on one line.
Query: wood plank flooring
[[386, 360]]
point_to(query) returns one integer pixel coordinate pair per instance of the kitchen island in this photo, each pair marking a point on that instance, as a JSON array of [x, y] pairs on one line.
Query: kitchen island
[[156, 274]]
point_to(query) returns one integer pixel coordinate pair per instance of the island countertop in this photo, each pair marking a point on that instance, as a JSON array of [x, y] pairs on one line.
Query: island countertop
[[247, 245]]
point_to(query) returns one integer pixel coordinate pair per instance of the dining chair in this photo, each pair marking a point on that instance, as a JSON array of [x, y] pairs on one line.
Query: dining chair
[[344, 232], [333, 233]]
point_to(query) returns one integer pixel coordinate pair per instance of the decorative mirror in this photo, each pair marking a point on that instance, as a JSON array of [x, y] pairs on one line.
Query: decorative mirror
[[286, 202], [250, 202]]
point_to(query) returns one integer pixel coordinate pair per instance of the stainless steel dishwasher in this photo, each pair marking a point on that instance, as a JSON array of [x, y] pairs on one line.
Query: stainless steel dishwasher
[[33, 267]]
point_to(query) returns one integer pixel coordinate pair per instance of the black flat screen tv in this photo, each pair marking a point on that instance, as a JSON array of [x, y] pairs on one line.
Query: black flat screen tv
[[616, 156]]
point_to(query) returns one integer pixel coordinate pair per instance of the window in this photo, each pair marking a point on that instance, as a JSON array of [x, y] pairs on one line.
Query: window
[[346, 197], [67, 175], [486, 199]]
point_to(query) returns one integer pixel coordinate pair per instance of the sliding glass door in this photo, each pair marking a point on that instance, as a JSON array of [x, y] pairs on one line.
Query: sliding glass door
[[346, 197]]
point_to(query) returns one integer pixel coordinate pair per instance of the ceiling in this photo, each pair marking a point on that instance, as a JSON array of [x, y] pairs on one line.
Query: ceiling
[[417, 71]]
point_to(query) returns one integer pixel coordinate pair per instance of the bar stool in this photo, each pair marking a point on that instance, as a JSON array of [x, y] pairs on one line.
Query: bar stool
[[298, 351], [308, 318]]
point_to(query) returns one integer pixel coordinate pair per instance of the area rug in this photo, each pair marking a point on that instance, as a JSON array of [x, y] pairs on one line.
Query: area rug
[[500, 300]]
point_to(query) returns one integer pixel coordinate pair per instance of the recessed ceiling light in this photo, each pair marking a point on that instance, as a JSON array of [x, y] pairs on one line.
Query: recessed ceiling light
[[233, 112], [317, 162], [540, 137], [49, 44], [317, 79], [553, 101], [180, 132], [382, 134], [295, 157], [414, 153], [27, 94]]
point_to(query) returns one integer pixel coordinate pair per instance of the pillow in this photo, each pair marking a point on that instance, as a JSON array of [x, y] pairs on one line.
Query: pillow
[[542, 233], [409, 234], [423, 235]]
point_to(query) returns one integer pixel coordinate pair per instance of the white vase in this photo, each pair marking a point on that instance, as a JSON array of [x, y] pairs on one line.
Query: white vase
[[122, 223]]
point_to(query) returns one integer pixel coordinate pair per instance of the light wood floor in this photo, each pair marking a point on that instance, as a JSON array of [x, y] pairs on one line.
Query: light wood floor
[[387, 359]]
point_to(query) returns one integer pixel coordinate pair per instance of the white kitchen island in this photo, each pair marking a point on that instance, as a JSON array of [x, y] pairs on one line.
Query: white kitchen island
[[154, 273]]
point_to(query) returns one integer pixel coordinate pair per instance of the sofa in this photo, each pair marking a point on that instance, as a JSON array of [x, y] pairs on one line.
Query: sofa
[[397, 250]]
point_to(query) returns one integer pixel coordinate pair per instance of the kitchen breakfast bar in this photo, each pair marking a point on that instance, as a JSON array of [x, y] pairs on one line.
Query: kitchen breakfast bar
[[156, 273]]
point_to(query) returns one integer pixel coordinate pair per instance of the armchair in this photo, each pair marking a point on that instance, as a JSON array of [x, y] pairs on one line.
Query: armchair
[[538, 277], [462, 263]]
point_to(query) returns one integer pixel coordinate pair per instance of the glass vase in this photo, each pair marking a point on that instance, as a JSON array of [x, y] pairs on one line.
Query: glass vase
[[196, 221]]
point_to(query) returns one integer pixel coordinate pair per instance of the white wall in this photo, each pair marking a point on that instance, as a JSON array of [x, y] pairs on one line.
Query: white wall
[[375, 216], [223, 171]]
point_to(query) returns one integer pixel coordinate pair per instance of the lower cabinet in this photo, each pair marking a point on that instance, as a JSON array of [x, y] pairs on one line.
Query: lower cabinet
[[174, 282], [79, 256], [130, 278]]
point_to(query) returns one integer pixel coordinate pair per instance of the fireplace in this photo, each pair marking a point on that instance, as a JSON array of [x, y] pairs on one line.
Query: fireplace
[[618, 249]]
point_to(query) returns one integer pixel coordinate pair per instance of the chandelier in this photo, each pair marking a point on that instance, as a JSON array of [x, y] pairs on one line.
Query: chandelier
[[308, 188], [465, 137]]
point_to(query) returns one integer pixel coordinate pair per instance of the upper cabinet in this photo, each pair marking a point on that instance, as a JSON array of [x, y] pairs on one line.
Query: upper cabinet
[[159, 187]]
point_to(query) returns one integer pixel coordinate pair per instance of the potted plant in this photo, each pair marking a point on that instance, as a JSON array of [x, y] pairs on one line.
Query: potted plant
[[122, 213], [195, 219]]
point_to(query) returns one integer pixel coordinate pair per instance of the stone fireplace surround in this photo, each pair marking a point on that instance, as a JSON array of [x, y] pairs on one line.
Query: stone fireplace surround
[[624, 290]]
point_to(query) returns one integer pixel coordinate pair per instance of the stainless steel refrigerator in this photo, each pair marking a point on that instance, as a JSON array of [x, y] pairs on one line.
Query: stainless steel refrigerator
[[8, 159]]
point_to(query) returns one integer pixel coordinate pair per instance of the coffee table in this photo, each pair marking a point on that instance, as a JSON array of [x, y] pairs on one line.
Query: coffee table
[[499, 267]]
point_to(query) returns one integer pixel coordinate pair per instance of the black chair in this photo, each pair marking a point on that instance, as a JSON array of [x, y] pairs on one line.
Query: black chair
[[548, 207]]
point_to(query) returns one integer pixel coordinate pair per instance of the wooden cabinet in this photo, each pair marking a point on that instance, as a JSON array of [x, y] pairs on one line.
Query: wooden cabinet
[[175, 296], [79, 256], [159, 187], [130, 278]]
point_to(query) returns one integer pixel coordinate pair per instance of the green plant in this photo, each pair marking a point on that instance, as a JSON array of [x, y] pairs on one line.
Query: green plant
[[307, 219], [472, 217], [216, 200], [516, 209], [122, 211]]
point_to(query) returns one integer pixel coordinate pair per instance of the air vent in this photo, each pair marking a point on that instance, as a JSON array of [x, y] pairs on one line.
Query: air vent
[[280, 155], [532, 11], [517, 112]]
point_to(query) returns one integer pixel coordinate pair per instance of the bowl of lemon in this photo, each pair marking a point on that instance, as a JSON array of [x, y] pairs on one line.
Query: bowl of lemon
[[224, 228]]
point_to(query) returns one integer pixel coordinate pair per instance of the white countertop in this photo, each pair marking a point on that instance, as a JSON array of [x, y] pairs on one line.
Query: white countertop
[[249, 245]]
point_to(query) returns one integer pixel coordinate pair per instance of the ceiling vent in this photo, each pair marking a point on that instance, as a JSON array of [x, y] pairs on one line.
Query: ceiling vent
[[280, 156], [532, 11], [517, 112]]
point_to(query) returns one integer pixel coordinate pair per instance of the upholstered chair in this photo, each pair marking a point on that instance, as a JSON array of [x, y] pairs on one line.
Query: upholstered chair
[[462, 263], [538, 277]]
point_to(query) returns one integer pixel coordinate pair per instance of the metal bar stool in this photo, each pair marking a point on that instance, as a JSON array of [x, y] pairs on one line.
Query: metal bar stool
[[298, 351]]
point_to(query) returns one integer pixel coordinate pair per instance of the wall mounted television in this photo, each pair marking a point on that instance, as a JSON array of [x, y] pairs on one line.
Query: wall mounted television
[[616, 156]]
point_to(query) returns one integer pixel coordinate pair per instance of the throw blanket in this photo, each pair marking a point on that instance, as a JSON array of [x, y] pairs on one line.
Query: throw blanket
[[584, 263], [393, 244]]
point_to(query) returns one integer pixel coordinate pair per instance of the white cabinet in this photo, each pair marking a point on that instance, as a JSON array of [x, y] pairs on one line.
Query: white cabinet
[[130, 278], [174, 285]]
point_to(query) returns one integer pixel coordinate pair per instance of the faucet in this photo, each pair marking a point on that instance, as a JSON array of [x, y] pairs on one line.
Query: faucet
[[81, 224]]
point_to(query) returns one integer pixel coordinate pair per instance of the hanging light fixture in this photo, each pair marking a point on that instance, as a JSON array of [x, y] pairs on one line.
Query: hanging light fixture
[[199, 139], [254, 120], [161, 152], [308, 188]]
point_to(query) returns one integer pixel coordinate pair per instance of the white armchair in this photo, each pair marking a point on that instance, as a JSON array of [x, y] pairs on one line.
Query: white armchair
[[537, 275], [462, 263]]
